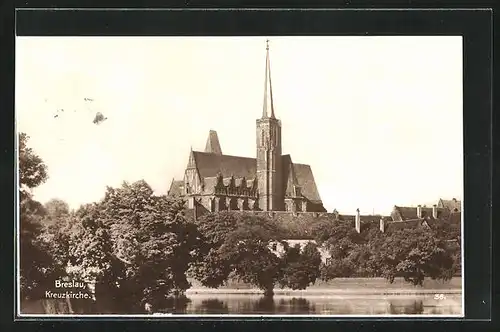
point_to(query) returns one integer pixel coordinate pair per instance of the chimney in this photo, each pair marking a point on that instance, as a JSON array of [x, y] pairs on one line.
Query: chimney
[[382, 225], [434, 211], [195, 210], [190, 202], [358, 221], [419, 211]]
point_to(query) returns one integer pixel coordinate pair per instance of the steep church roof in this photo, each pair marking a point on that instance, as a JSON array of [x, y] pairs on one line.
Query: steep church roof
[[305, 179], [289, 178], [210, 164], [299, 175]]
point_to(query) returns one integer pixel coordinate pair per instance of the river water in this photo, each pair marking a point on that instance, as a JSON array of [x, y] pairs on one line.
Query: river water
[[255, 304], [348, 296], [341, 296]]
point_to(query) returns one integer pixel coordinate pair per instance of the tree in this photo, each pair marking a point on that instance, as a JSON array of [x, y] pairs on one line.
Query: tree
[[300, 268], [337, 235], [211, 268], [32, 170], [239, 245], [35, 259], [412, 254], [91, 256], [452, 234], [57, 238], [345, 246], [56, 210], [56, 229], [137, 246]]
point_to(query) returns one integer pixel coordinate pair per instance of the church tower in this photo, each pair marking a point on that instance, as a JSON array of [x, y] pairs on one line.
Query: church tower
[[269, 173]]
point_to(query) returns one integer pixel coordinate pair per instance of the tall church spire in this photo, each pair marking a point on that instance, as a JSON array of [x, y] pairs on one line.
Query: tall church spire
[[269, 170], [268, 109]]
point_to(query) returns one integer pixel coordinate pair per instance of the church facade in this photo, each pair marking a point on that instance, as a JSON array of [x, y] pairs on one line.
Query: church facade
[[269, 182]]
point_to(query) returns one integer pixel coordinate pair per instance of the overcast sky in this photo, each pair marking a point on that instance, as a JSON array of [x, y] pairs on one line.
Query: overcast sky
[[379, 119]]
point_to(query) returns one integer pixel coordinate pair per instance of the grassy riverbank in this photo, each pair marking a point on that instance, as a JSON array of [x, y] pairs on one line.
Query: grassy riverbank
[[341, 286], [320, 292]]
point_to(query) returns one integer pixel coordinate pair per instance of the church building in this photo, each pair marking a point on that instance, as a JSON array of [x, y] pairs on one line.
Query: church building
[[269, 182]]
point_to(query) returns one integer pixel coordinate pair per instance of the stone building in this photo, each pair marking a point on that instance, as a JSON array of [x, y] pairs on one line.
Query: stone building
[[444, 209], [422, 216], [452, 205], [272, 185], [269, 182]]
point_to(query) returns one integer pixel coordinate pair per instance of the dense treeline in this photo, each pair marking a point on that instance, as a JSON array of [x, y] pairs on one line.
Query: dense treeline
[[411, 253], [243, 247], [139, 249]]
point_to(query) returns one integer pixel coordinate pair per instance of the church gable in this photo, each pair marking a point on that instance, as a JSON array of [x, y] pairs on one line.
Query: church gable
[[176, 188], [192, 180], [213, 145], [191, 161]]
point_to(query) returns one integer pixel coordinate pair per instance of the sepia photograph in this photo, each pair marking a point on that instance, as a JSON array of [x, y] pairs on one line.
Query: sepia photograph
[[240, 176]]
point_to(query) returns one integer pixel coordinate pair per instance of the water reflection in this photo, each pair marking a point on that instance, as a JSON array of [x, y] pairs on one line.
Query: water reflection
[[212, 306], [263, 305], [296, 306], [176, 305], [266, 305], [318, 305], [415, 308]]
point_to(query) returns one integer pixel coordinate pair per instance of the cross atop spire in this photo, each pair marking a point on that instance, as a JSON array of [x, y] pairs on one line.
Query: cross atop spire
[[268, 109]]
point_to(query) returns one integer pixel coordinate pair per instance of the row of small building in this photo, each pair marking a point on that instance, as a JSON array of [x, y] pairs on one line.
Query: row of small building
[[299, 223], [400, 217], [403, 216]]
